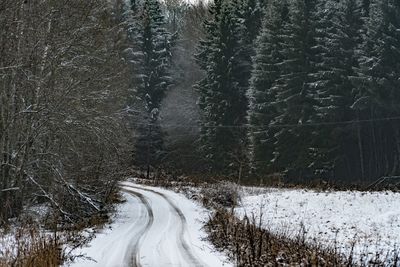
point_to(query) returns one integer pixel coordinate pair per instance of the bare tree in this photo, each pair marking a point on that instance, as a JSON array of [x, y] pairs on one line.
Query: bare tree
[[62, 92]]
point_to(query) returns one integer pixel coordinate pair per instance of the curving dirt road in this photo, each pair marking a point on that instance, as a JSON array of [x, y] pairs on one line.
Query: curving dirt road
[[135, 242], [153, 228], [165, 229]]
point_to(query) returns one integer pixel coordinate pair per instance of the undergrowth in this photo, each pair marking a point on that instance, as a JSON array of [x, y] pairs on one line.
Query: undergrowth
[[28, 247], [249, 245], [28, 244]]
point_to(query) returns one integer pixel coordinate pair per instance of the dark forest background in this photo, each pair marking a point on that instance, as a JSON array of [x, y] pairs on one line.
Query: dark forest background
[[249, 89]]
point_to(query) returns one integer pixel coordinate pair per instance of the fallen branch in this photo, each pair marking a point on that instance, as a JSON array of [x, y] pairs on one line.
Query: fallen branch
[[11, 189]]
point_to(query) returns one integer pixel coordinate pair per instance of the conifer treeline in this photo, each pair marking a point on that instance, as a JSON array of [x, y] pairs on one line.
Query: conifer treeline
[[311, 96], [149, 55]]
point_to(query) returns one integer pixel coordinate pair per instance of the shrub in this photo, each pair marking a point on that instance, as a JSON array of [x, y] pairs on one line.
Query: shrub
[[250, 245], [28, 247], [225, 194]]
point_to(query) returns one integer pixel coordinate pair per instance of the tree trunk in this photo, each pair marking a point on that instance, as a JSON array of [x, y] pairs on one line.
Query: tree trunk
[[360, 147]]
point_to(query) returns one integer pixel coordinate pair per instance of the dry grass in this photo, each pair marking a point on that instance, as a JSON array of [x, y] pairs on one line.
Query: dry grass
[[27, 247], [222, 194], [248, 244]]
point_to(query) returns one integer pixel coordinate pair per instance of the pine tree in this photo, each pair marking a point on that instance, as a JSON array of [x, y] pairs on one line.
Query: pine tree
[[157, 52], [252, 14], [222, 91], [262, 91], [150, 56], [365, 7], [378, 94], [294, 98], [133, 5], [337, 35]]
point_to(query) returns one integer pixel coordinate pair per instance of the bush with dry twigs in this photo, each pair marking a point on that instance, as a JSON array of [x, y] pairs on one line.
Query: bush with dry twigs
[[29, 247], [248, 244]]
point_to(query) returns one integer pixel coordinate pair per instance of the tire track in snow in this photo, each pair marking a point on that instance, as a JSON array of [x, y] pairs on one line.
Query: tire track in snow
[[134, 251], [191, 259]]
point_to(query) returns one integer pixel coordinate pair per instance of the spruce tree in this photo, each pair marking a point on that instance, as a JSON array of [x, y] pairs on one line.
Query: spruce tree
[[150, 55], [252, 14], [222, 91], [262, 91], [377, 94], [365, 7], [294, 97], [337, 35]]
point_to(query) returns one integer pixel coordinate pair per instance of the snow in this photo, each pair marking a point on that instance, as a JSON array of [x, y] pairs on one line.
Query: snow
[[333, 219], [7, 245], [147, 231], [195, 2], [109, 247]]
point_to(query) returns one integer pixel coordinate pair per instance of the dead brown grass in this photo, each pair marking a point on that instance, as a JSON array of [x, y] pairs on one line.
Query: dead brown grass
[[250, 245], [27, 247]]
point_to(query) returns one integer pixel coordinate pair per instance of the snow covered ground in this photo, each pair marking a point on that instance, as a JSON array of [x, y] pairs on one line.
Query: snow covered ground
[[154, 227], [7, 245], [329, 218]]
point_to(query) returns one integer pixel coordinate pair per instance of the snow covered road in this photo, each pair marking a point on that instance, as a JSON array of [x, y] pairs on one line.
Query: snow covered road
[[157, 228]]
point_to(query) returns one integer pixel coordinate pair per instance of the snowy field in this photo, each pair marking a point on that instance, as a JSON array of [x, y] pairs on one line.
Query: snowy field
[[334, 219], [154, 227]]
